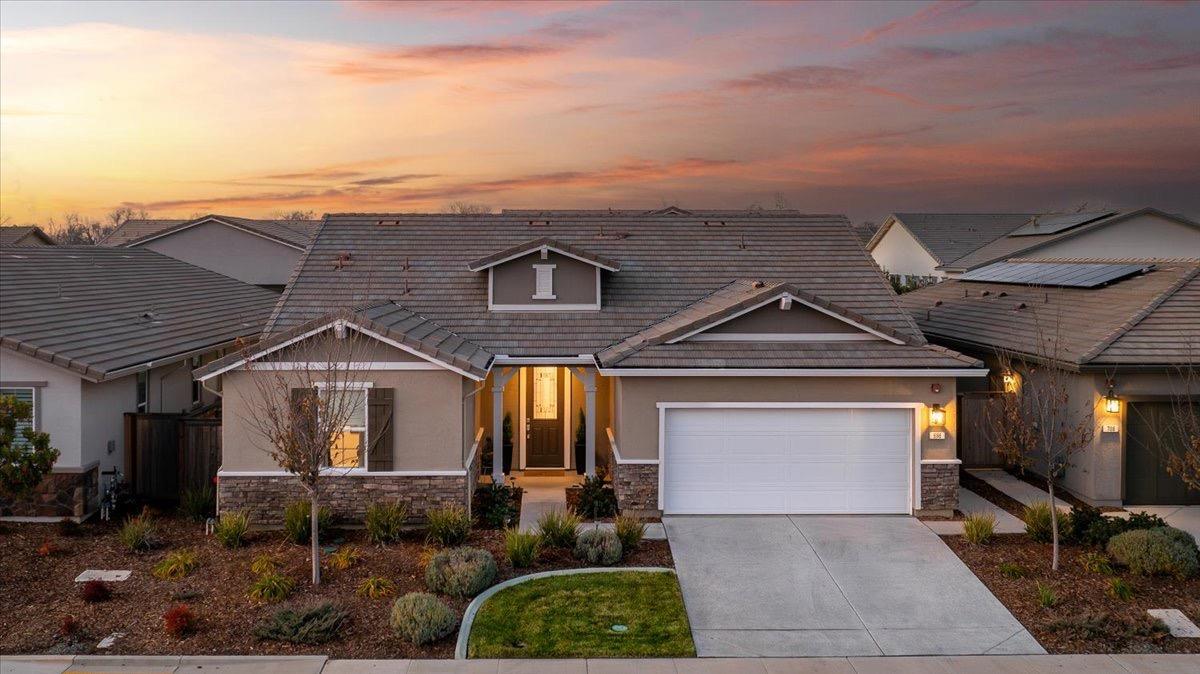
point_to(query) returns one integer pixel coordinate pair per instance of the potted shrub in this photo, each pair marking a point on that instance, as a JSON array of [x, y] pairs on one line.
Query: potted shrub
[[581, 444]]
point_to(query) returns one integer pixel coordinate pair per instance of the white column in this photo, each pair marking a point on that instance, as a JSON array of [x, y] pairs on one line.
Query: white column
[[499, 379], [588, 379]]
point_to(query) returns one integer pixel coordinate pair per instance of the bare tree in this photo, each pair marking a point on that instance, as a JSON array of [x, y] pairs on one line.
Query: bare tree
[[781, 202], [294, 215], [1182, 446], [467, 208], [1038, 426], [77, 230], [121, 214], [308, 415]]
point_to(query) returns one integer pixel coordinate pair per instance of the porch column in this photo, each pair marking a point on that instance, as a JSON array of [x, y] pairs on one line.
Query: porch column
[[499, 379], [588, 379]]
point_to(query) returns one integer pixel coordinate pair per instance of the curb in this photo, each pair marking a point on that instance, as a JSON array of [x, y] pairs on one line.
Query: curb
[[464, 630]]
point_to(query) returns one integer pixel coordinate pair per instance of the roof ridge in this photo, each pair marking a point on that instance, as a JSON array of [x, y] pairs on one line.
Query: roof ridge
[[1138, 317]]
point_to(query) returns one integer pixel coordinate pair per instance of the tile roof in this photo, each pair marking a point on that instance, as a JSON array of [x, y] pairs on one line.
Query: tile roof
[[21, 235], [296, 233], [668, 262], [537, 244], [1148, 320], [949, 236], [100, 311]]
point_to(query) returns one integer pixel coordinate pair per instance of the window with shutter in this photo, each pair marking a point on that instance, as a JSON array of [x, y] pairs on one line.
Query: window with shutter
[[25, 395], [544, 289]]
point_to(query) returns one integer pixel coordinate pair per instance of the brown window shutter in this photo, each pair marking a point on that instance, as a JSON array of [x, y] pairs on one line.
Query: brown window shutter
[[380, 408]]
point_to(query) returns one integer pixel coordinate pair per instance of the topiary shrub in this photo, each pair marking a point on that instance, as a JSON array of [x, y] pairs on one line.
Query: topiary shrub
[[558, 528], [1149, 552], [176, 565], [460, 572], [297, 522], [978, 528], [385, 522], [307, 626], [179, 621], [521, 547], [198, 503], [1037, 522], [272, 587], [422, 618], [448, 526], [596, 499], [497, 505], [630, 531], [598, 546], [94, 591], [138, 534], [231, 528]]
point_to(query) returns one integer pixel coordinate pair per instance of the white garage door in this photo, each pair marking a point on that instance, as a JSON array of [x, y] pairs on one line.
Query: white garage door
[[787, 460]]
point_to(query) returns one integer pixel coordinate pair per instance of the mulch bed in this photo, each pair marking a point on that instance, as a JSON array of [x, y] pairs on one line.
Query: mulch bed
[[1086, 619], [37, 592]]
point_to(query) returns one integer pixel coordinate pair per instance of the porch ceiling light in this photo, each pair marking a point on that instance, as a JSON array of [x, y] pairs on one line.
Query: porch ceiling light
[[937, 415], [1112, 404]]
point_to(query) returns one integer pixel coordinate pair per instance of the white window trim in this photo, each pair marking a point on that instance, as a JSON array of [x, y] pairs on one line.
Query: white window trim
[[34, 403], [810, 305], [543, 271], [365, 387], [544, 248]]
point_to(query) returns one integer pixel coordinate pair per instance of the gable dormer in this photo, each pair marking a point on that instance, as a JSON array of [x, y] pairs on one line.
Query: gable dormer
[[544, 275]]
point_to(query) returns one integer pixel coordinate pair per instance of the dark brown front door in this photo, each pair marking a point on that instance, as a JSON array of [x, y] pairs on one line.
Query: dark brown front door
[[543, 407]]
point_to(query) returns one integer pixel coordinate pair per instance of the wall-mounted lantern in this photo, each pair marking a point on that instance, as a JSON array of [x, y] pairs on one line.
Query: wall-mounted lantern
[[1112, 404], [937, 416], [1010, 381]]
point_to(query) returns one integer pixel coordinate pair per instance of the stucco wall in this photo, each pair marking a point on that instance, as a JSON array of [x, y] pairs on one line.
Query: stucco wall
[[514, 282], [637, 398], [427, 423], [898, 252], [1143, 236], [105, 405], [232, 252], [60, 401]]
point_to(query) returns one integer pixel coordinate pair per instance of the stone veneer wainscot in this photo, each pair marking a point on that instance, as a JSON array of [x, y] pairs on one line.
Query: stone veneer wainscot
[[65, 492], [636, 486], [939, 487]]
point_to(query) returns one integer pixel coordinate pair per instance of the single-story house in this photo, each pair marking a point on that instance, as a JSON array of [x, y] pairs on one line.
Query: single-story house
[[261, 252], [25, 235], [945, 245], [88, 334], [715, 361], [1126, 331]]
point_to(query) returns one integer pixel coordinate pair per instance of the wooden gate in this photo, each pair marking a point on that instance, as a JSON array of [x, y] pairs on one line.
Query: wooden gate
[[974, 448], [167, 453]]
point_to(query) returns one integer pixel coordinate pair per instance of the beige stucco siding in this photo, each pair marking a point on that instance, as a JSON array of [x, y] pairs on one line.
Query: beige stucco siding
[[59, 401], [1143, 236], [773, 320], [246, 257], [899, 252], [428, 422], [514, 282], [636, 400]]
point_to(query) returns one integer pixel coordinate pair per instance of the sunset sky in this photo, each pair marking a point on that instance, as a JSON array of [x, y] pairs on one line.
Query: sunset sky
[[857, 108]]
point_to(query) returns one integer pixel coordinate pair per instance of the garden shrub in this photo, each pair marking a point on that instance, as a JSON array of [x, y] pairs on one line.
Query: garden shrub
[[297, 522], [1088, 526], [385, 521], [422, 618], [497, 506], [460, 572], [198, 503], [179, 621], [69, 626], [448, 526], [231, 528], [344, 558], [1149, 552], [1047, 597], [138, 533], [94, 591], [1144, 520], [264, 564], [48, 549], [521, 547], [559, 528], [1011, 570], [630, 531], [1111, 629], [272, 587], [1037, 522], [598, 546], [596, 499], [978, 528], [176, 565], [1095, 562], [1119, 588], [374, 587], [315, 625]]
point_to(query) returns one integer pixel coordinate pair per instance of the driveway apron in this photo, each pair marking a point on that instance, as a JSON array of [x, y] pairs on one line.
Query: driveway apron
[[833, 586]]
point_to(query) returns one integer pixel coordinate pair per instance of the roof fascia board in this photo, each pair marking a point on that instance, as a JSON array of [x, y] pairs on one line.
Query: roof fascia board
[[535, 249], [792, 372], [784, 293], [544, 360], [881, 232], [210, 218]]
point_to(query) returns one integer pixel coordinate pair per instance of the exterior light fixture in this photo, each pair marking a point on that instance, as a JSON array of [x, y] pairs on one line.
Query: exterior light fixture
[[1112, 404], [937, 416], [1010, 381]]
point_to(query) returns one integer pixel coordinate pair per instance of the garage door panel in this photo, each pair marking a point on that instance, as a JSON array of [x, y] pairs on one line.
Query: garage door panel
[[787, 460]]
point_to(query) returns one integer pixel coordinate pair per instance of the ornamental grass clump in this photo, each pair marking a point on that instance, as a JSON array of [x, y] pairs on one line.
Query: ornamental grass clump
[[598, 546], [448, 526], [385, 521], [179, 621], [230, 529], [1096, 562], [521, 547], [1011, 570], [1119, 588], [198, 503], [978, 528], [344, 558], [138, 534], [630, 531], [1038, 525], [559, 528], [316, 625], [1046, 596], [460, 572], [422, 618], [176, 565], [264, 564], [1150, 552], [297, 523], [375, 587], [272, 587]]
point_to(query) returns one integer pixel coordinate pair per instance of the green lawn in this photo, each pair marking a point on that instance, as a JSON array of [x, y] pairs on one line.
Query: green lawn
[[573, 616]]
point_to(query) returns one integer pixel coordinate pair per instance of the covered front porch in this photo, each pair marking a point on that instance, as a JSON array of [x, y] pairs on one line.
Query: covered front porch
[[545, 418]]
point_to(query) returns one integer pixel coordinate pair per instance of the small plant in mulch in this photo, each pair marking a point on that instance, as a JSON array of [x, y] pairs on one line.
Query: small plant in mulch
[[272, 587], [343, 558], [521, 547], [69, 626], [497, 506], [461, 572], [1114, 630], [316, 625], [1095, 562], [1150, 552], [49, 549], [176, 565], [230, 529], [1011, 570], [1038, 525], [630, 531], [978, 528], [448, 526], [297, 522], [94, 591], [186, 595], [422, 618], [264, 564], [375, 587], [1119, 588], [179, 621], [138, 534], [559, 528], [1046, 596], [598, 546], [385, 521], [596, 498], [198, 503]]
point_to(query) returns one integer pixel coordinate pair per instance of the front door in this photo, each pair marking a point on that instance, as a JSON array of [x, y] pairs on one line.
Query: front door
[[544, 431]]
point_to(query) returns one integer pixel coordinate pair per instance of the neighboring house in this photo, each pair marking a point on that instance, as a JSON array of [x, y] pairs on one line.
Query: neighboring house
[[25, 235], [724, 362], [262, 252], [1126, 327], [88, 334], [944, 245]]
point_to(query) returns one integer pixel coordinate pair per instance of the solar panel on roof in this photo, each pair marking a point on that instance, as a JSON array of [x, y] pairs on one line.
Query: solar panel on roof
[[1055, 223], [1067, 275]]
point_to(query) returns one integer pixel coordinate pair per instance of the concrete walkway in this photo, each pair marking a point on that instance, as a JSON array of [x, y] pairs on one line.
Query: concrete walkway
[[782, 586], [977, 664], [1018, 489], [541, 495], [1180, 517], [968, 503]]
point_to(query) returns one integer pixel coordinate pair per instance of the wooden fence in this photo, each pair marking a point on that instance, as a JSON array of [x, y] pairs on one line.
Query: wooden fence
[[168, 453], [974, 448]]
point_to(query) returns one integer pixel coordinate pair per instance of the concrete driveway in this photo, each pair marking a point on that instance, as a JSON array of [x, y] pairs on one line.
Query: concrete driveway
[[833, 586]]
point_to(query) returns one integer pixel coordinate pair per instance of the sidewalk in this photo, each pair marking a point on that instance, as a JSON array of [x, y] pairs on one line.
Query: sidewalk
[[967, 664], [1017, 489], [969, 502]]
